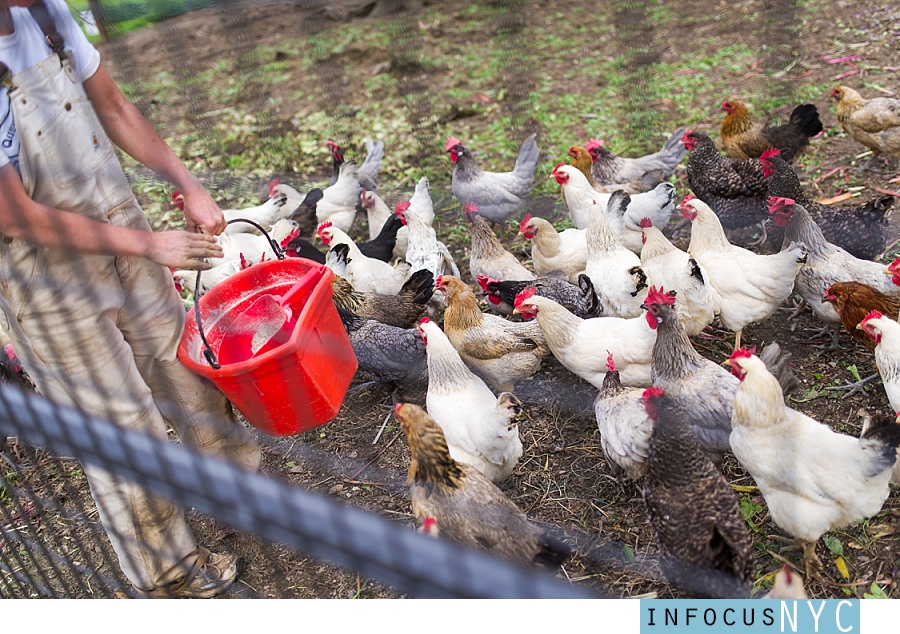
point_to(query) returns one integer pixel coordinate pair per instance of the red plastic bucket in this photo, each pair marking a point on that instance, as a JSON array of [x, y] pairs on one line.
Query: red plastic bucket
[[290, 388]]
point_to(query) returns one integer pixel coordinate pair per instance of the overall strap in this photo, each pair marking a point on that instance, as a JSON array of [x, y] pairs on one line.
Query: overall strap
[[48, 27]]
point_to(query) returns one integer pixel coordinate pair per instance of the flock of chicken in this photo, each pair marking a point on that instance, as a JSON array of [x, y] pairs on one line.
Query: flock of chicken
[[615, 302]]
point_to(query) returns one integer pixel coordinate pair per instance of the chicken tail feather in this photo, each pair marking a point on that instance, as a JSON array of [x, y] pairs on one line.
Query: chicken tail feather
[[881, 436], [552, 552], [806, 118], [778, 363]]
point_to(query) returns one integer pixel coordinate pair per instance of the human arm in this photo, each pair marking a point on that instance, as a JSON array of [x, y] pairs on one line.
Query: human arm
[[127, 128], [24, 219]]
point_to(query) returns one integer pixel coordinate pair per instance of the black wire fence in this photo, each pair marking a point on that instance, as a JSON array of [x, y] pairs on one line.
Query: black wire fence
[[51, 543]]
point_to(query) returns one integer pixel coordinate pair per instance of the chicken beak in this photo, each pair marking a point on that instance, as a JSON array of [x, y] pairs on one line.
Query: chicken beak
[[859, 326], [516, 311], [727, 362], [888, 272]]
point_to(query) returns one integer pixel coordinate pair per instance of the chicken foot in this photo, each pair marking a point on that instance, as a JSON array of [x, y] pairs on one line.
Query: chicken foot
[[762, 240], [852, 388], [826, 330]]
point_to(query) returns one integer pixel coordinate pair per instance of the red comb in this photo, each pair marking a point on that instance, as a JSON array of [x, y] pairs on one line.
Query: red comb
[[524, 222], [777, 204], [483, 281], [593, 143], [687, 133], [740, 353], [555, 169], [659, 296], [272, 187], [401, 206], [452, 142], [470, 208], [872, 315], [528, 293], [610, 362], [324, 225], [646, 222], [772, 151], [397, 408], [331, 144], [424, 320], [687, 199], [893, 266], [652, 392], [437, 282], [295, 233], [176, 194], [244, 264]]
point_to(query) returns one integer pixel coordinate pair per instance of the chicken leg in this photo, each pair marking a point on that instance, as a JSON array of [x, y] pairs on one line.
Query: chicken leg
[[811, 560], [737, 339], [852, 388]]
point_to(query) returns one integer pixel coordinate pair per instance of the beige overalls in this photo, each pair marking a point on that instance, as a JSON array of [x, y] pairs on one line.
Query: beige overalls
[[100, 333]]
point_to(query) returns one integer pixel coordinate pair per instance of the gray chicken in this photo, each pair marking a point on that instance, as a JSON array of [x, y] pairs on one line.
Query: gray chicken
[[499, 196], [701, 387], [703, 542], [386, 354], [645, 172]]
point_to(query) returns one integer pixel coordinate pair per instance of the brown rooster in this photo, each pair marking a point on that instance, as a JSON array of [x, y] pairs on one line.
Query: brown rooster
[[462, 503], [745, 139], [704, 547], [853, 301]]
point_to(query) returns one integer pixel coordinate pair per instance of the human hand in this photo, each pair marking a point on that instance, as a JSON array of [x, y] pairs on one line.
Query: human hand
[[182, 249], [201, 213]]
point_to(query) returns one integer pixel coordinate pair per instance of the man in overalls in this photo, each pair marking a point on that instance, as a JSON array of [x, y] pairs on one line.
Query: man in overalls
[[85, 295]]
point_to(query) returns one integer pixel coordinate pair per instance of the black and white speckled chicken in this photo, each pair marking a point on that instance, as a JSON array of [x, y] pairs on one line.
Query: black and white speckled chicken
[[734, 188], [860, 230], [704, 545], [463, 504], [579, 299], [401, 310], [386, 354]]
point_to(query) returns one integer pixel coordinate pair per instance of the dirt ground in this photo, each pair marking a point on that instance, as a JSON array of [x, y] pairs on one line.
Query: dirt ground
[[563, 481]]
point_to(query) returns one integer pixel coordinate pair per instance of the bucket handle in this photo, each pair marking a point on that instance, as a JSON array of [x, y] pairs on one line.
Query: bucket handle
[[207, 350]]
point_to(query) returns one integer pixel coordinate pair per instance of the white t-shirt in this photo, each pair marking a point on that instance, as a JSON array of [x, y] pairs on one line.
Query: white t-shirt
[[26, 47]]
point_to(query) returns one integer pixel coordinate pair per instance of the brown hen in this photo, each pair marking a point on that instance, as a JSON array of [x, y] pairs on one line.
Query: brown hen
[[745, 139], [462, 503], [853, 301]]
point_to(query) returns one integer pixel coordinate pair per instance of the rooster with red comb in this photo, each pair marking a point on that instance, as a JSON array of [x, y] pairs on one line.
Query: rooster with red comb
[[499, 196]]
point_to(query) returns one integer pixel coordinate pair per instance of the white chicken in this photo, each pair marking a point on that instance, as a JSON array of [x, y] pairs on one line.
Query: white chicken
[[669, 267], [338, 204], [750, 286], [367, 275], [421, 204], [424, 250], [253, 247], [564, 251], [582, 345], [885, 332], [657, 204], [481, 429], [625, 428], [616, 272], [812, 478], [265, 215]]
